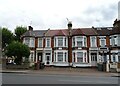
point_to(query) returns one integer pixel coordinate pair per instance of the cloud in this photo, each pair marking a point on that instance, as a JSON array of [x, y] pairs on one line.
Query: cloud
[[52, 14]]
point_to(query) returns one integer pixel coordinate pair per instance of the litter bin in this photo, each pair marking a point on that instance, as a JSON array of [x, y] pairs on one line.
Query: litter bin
[[100, 67], [104, 66], [41, 65]]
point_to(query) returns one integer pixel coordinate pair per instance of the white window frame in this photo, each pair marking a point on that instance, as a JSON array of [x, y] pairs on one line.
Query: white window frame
[[81, 57], [83, 40], [31, 59], [60, 41], [95, 42], [46, 45], [102, 38], [115, 40], [64, 44], [39, 42], [74, 56], [65, 59], [26, 41], [31, 41]]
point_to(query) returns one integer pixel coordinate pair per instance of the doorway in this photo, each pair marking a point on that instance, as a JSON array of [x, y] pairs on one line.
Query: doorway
[[39, 58], [94, 59], [48, 56]]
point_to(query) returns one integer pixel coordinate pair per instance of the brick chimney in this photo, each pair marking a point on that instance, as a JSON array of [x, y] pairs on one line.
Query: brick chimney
[[70, 27], [30, 28]]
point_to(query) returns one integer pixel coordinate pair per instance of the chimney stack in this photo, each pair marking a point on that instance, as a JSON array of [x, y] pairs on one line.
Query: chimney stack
[[30, 28], [70, 28]]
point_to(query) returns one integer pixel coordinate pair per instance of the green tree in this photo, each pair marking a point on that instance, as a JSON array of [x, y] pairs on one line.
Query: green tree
[[7, 37], [19, 31], [18, 50]]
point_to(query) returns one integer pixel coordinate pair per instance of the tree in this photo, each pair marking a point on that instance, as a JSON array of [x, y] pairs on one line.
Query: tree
[[18, 50], [7, 37], [19, 31]]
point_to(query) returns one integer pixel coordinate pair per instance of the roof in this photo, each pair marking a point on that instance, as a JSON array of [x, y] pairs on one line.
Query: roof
[[77, 32], [115, 31], [104, 31], [62, 32], [101, 31], [88, 31], [34, 33]]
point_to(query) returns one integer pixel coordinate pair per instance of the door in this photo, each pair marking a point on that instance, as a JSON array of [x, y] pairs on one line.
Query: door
[[105, 58], [39, 58], [48, 58], [94, 59]]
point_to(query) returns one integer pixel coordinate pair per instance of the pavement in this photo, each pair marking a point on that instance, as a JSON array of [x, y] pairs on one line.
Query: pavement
[[64, 71]]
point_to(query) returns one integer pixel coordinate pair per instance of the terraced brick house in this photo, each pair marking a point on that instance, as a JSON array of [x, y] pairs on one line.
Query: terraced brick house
[[76, 47]]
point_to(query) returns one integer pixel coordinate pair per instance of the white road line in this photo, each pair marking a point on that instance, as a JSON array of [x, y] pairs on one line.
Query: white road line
[[79, 81]]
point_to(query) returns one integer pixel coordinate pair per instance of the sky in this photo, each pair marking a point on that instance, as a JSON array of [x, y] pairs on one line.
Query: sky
[[44, 14]]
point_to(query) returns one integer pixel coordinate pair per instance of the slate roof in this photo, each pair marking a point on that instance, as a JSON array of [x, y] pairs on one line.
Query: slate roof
[[34, 33], [115, 31], [100, 31], [104, 31]]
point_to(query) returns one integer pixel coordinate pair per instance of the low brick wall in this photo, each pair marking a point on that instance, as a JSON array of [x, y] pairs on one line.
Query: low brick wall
[[17, 66]]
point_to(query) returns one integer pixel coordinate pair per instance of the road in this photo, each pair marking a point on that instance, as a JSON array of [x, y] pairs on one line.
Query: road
[[14, 78]]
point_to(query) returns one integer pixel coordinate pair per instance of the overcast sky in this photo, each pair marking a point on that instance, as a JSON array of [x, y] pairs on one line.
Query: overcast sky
[[44, 14]]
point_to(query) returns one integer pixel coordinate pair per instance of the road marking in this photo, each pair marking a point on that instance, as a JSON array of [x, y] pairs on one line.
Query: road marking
[[86, 82]]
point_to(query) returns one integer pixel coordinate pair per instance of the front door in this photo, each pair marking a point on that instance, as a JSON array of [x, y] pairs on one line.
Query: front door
[[47, 58], [39, 58], [94, 59], [104, 57]]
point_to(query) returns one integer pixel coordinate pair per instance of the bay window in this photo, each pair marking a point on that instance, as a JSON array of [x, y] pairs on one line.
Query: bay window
[[60, 56], [102, 41], [26, 41], [79, 41], [79, 56], [115, 40], [29, 41], [60, 41]]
